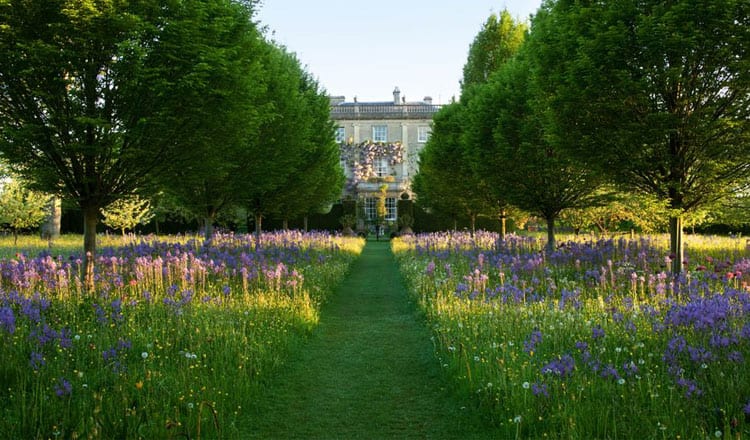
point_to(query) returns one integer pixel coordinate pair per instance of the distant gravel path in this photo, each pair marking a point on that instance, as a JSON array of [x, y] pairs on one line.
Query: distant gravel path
[[368, 371]]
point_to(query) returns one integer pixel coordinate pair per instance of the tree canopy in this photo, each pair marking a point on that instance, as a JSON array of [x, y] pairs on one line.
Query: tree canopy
[[656, 95], [512, 153], [98, 98]]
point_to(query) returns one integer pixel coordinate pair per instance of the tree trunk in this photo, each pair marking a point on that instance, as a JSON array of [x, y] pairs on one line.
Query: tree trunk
[[455, 224], [473, 219], [304, 221], [677, 247], [503, 222], [90, 220], [550, 234], [51, 226], [258, 229], [208, 225], [285, 224]]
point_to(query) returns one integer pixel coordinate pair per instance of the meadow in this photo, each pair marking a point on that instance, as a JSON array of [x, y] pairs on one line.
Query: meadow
[[177, 337], [595, 340]]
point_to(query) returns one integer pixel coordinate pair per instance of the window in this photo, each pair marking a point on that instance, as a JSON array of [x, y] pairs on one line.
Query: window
[[423, 133], [340, 134], [390, 208], [382, 167], [371, 208], [380, 133]]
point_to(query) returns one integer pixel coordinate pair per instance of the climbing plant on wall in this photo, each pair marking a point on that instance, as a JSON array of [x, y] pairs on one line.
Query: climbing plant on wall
[[360, 158]]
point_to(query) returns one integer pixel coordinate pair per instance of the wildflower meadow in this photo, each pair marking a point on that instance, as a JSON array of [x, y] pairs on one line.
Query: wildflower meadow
[[177, 336], [595, 340]]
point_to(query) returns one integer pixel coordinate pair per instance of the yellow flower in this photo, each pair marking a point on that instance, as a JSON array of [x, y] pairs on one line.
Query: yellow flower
[[139, 384]]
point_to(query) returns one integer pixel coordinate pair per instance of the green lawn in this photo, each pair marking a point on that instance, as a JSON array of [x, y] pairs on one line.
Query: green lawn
[[367, 372]]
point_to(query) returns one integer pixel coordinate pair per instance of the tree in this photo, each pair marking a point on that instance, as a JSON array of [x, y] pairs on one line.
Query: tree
[[497, 41], [446, 182], [654, 94], [513, 153], [319, 178], [97, 99], [21, 208], [295, 130], [127, 213]]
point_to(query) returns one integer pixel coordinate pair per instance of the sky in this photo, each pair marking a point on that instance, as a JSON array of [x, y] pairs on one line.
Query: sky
[[366, 48]]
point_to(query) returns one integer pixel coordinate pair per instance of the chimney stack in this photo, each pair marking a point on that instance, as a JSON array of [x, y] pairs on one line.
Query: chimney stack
[[428, 100], [396, 96]]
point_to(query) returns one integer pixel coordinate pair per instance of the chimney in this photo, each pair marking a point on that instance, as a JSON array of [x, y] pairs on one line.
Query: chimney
[[428, 100], [396, 96]]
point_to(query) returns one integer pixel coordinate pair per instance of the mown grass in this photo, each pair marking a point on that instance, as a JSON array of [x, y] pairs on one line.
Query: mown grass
[[176, 340], [368, 372]]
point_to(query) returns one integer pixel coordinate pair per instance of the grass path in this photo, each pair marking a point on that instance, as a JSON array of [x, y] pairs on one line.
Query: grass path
[[368, 371]]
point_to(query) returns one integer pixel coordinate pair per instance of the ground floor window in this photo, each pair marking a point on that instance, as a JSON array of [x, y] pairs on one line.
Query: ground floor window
[[390, 208], [371, 208]]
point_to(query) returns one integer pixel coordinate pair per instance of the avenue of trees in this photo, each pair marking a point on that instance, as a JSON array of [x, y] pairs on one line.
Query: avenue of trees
[[188, 100], [639, 105]]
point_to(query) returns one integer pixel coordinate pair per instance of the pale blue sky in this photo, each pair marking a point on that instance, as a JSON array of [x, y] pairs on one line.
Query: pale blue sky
[[365, 48]]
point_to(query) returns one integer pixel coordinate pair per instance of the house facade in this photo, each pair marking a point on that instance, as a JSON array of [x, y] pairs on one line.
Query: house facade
[[380, 144]]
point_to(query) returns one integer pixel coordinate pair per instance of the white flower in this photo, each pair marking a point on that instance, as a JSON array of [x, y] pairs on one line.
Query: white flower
[[525, 385], [144, 355], [517, 419], [621, 381]]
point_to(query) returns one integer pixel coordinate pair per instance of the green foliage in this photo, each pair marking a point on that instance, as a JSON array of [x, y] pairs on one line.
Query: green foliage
[[446, 182], [652, 94], [348, 220], [127, 213], [498, 40], [20, 207], [98, 99], [292, 166]]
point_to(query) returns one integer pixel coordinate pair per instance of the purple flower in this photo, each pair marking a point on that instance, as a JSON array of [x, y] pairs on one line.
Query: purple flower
[[7, 320], [109, 354], [36, 360], [63, 388], [562, 367], [610, 371], [691, 388], [534, 339], [736, 357], [540, 389], [430, 269], [597, 332]]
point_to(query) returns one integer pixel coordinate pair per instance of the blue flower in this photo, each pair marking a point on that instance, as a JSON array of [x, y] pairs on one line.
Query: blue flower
[[63, 388], [8, 320]]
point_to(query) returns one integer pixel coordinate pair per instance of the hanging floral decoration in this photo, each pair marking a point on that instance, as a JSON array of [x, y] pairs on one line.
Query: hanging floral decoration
[[360, 158]]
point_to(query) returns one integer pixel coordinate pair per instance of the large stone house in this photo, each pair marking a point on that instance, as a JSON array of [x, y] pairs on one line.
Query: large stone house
[[380, 145]]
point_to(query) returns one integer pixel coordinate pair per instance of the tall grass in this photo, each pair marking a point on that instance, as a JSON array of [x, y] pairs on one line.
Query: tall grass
[[595, 340], [178, 336]]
